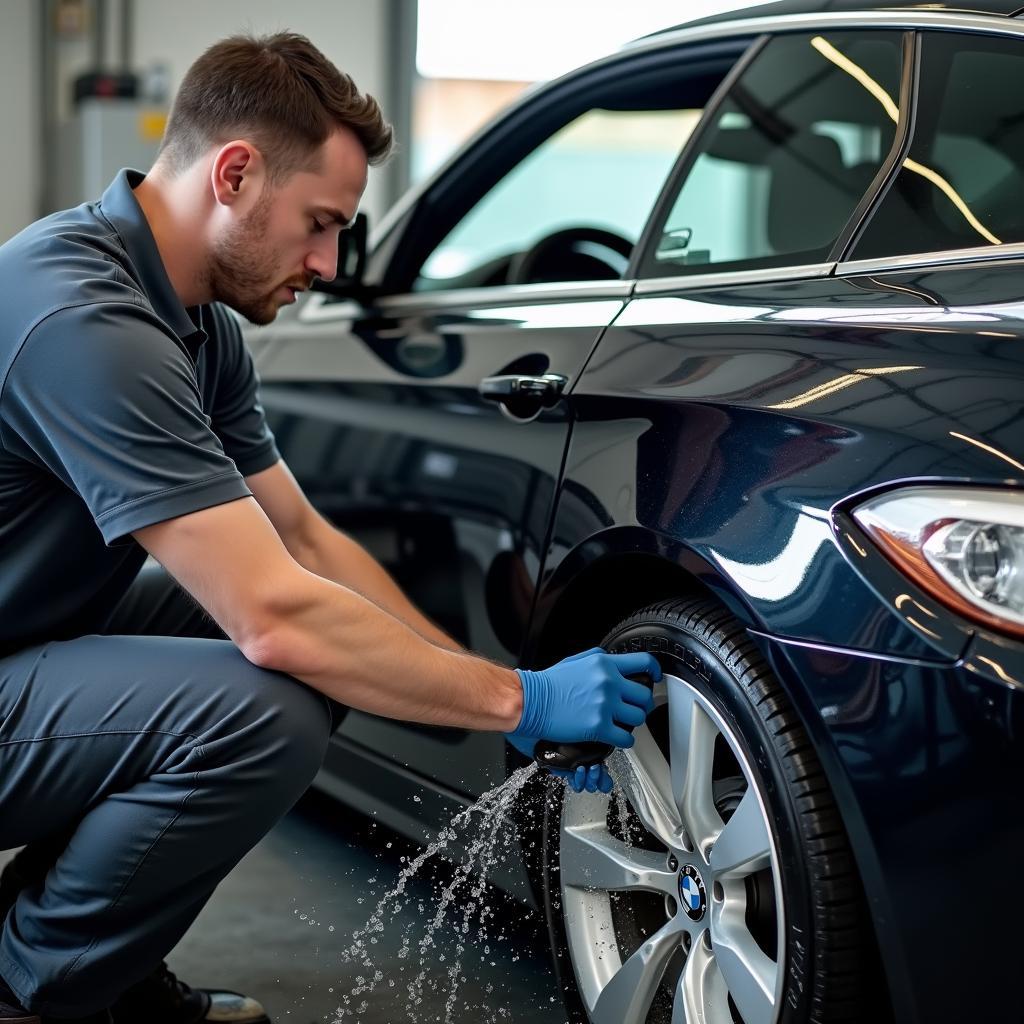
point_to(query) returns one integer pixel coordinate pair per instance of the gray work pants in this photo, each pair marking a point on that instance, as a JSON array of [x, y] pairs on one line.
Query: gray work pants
[[147, 759]]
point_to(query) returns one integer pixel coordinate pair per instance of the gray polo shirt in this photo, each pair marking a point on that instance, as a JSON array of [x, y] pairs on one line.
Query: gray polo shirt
[[119, 408]]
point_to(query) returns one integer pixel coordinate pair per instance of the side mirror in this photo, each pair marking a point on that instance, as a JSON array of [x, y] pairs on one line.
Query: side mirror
[[674, 244], [348, 284]]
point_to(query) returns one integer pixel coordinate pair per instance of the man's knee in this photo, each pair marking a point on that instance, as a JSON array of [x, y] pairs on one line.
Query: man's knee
[[293, 723], [306, 720]]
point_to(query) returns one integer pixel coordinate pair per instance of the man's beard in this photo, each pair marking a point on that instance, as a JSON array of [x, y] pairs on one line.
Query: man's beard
[[237, 272]]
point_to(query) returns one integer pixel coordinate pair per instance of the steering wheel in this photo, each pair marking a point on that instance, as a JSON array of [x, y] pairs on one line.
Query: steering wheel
[[545, 260]]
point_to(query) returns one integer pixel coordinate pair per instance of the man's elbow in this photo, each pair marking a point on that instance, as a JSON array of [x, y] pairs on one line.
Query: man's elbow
[[271, 635], [259, 646]]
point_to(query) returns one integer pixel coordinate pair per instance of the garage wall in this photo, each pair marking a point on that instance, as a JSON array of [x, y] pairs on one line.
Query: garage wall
[[351, 33], [19, 131], [357, 36]]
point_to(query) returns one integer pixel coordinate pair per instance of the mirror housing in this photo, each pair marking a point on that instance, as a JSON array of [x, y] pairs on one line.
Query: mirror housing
[[348, 284]]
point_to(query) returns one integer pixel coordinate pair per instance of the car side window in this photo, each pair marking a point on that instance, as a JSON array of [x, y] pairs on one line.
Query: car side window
[[585, 192], [960, 185], [791, 151]]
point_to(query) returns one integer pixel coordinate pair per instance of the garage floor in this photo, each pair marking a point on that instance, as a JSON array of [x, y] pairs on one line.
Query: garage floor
[[266, 931]]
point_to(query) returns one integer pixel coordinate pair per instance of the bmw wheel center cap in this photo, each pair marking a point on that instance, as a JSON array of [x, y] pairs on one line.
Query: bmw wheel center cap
[[693, 898]]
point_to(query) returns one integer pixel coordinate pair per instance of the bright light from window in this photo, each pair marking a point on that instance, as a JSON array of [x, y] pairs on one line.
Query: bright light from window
[[534, 40]]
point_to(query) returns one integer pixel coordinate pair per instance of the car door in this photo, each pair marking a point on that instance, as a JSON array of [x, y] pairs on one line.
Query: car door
[[428, 422]]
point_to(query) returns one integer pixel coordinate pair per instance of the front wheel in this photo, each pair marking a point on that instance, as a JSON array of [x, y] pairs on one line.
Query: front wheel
[[717, 886]]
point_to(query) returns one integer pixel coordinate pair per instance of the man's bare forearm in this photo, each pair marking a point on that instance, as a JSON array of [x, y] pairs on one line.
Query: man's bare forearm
[[335, 556], [344, 645]]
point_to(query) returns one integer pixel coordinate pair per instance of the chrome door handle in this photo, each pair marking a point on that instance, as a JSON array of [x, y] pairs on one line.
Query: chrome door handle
[[546, 389]]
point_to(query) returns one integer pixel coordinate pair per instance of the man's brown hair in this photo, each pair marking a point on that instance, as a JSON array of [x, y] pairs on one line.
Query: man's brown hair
[[278, 91]]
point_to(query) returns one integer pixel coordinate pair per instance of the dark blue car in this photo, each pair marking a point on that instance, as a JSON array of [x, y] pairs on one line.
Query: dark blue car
[[715, 348]]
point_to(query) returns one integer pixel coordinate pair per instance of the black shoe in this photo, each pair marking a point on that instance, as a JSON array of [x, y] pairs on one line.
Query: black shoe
[[162, 999]]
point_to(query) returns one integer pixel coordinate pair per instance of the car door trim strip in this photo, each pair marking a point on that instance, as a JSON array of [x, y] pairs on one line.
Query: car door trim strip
[[695, 282], [967, 257], [503, 295]]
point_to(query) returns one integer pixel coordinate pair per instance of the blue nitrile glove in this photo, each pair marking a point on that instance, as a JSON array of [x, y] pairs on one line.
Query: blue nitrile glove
[[525, 744], [587, 698], [591, 779]]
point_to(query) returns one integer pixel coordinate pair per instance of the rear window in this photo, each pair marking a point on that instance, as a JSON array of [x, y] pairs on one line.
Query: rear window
[[960, 186]]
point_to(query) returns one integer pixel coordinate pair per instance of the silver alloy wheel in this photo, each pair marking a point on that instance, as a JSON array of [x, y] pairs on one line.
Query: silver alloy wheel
[[708, 860]]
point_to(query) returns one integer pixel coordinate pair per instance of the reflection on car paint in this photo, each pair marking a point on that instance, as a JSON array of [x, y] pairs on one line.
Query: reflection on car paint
[[783, 573]]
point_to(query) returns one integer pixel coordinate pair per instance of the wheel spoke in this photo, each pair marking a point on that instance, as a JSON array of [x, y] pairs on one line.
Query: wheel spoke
[[749, 973], [627, 996], [692, 736], [743, 846], [591, 858], [648, 784], [701, 996]]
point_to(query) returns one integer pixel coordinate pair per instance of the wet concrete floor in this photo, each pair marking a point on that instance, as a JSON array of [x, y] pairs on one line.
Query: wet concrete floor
[[267, 931]]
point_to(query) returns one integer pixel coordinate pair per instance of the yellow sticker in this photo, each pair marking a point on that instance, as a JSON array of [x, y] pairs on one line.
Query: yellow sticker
[[151, 125]]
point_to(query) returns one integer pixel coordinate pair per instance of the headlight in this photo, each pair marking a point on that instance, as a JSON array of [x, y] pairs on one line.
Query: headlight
[[964, 546]]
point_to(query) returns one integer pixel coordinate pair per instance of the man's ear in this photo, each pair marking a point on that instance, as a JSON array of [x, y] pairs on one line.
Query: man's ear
[[236, 172]]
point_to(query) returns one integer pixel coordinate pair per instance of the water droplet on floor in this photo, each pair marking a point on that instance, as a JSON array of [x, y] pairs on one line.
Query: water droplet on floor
[[495, 839]]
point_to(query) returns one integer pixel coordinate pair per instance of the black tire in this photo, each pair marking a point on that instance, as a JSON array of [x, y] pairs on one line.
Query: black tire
[[826, 944]]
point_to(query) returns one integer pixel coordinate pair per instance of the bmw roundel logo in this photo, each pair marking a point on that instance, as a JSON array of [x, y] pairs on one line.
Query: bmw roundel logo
[[691, 893]]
